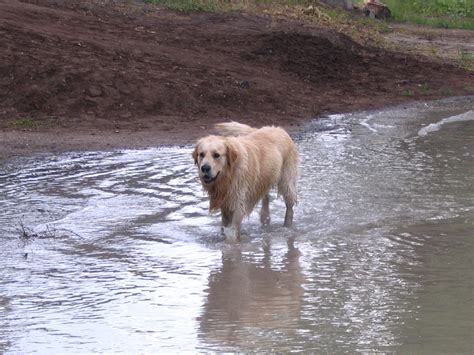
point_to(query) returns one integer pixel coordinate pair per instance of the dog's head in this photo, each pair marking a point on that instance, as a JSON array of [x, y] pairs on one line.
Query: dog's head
[[214, 157]]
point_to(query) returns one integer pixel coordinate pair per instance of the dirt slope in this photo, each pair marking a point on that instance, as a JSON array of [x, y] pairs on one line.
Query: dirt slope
[[161, 77]]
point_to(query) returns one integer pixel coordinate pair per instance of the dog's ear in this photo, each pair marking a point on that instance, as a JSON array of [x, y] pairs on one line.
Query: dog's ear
[[195, 154], [232, 153]]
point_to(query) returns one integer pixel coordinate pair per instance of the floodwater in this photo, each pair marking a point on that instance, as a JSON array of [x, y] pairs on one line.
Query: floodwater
[[119, 253]]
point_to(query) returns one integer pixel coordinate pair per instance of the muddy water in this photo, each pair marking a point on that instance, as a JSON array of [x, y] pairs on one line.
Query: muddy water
[[121, 255]]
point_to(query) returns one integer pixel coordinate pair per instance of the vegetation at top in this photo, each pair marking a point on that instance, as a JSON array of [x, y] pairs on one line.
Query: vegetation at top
[[186, 5], [438, 13], [223, 5]]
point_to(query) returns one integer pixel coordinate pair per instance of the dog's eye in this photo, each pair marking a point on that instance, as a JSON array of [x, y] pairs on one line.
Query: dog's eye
[[216, 155], [201, 155]]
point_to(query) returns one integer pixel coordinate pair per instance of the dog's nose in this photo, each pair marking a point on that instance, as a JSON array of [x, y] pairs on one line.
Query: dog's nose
[[206, 168]]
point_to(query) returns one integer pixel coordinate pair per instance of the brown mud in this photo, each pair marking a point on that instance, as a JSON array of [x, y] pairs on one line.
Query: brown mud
[[102, 75]]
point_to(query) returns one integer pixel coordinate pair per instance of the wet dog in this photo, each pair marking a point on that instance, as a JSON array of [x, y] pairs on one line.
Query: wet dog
[[239, 167]]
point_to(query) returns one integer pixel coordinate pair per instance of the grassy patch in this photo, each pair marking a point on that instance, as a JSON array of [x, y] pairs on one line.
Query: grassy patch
[[25, 123], [437, 13], [465, 59], [464, 55], [226, 5], [186, 5], [408, 93], [425, 89]]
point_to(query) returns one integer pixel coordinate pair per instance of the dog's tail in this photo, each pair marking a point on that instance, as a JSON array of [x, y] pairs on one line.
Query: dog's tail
[[233, 129]]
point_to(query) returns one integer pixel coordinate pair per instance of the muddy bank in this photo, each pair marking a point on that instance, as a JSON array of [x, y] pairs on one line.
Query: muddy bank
[[95, 77]]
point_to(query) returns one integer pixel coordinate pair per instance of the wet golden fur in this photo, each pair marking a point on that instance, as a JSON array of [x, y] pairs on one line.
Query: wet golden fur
[[239, 167]]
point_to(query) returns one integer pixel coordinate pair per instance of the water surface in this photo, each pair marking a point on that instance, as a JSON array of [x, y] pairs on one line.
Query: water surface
[[124, 256]]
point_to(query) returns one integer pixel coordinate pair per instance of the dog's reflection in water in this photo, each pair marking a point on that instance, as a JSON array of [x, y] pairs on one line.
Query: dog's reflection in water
[[251, 294]]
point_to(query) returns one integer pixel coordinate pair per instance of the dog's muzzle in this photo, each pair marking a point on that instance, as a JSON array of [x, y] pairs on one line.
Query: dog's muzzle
[[206, 175], [207, 178]]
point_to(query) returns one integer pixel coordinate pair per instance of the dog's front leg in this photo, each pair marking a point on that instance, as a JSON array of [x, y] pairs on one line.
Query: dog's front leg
[[226, 219], [231, 219], [230, 228], [237, 222]]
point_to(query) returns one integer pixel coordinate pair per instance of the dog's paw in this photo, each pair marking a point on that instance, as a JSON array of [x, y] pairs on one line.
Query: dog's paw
[[230, 233]]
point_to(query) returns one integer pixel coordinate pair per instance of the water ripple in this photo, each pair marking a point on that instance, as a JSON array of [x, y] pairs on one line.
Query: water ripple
[[126, 257]]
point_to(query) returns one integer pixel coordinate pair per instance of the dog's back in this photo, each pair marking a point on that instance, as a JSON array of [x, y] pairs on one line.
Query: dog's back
[[233, 129]]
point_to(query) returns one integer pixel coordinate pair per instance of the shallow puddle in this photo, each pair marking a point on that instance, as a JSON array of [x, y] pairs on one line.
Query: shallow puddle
[[120, 254]]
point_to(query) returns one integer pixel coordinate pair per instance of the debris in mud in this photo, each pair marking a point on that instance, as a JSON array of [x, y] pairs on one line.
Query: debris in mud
[[28, 235]]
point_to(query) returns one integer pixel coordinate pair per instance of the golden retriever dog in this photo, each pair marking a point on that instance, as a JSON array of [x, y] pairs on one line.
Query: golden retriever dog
[[239, 167]]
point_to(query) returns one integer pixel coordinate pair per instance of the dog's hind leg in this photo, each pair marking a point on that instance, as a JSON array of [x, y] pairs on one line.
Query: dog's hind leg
[[289, 194], [265, 211], [287, 188], [288, 215]]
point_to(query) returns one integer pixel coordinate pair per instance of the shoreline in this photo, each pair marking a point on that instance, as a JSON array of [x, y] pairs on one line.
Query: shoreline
[[27, 143]]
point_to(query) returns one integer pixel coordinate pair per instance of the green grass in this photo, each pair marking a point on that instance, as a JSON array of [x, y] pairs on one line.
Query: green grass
[[464, 55], [225, 5], [437, 13], [25, 123], [466, 59], [30, 124], [186, 5], [425, 89]]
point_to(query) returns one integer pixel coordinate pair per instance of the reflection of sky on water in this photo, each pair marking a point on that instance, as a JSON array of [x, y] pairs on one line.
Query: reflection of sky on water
[[137, 263]]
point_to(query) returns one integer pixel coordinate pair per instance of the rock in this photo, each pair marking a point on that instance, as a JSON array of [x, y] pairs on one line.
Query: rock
[[94, 91], [377, 10]]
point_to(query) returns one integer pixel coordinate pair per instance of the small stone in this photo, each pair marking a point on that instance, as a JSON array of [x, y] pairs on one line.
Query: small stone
[[94, 91]]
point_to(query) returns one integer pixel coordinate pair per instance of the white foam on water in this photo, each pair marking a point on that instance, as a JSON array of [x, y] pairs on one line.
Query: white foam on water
[[373, 127], [366, 123], [466, 116]]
